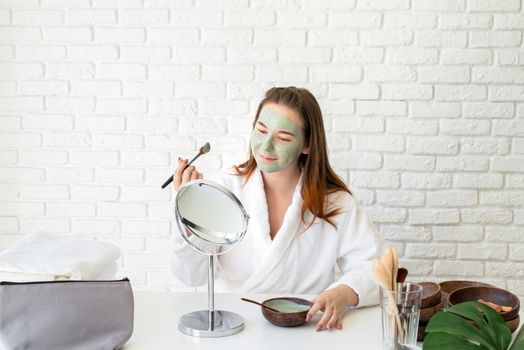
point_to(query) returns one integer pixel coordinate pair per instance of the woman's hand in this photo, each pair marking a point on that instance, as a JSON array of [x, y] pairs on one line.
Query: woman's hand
[[333, 303], [181, 176]]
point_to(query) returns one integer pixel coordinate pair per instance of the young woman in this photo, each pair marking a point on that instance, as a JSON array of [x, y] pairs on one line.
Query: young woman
[[304, 222]]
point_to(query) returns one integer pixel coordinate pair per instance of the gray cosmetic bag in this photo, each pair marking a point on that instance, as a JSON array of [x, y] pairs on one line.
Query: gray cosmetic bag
[[66, 315]]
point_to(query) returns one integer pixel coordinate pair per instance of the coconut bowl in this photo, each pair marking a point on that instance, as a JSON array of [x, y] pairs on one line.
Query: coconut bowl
[[292, 313], [492, 294]]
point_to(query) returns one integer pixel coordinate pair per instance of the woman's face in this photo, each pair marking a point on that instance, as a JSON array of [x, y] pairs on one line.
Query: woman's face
[[278, 138]]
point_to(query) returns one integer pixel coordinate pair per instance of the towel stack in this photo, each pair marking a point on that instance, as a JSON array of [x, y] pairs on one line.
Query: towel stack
[[40, 256]]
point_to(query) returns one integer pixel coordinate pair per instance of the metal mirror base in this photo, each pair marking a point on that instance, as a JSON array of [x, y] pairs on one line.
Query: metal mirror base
[[197, 323]]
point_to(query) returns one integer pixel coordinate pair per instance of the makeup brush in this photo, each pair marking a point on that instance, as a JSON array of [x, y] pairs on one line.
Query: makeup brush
[[402, 274], [204, 149]]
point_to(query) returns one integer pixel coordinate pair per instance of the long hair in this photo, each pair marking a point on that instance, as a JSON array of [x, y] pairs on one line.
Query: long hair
[[318, 178]]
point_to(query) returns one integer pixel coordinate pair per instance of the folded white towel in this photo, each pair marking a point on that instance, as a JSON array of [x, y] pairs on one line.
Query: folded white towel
[[42, 256], [107, 273]]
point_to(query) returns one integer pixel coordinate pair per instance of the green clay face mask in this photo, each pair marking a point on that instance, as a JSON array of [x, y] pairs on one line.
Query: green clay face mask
[[276, 141]]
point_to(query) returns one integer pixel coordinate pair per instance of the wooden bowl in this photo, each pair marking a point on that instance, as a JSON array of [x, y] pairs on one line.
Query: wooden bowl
[[287, 317], [421, 332], [491, 294], [428, 312], [431, 294], [452, 285], [513, 324]]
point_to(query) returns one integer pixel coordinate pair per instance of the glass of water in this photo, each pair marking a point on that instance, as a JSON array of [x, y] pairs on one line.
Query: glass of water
[[400, 311]]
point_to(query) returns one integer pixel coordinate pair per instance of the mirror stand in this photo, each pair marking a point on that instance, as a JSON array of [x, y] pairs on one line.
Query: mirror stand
[[211, 220], [211, 323]]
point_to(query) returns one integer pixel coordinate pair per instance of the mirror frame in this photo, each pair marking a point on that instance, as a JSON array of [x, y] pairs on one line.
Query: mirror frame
[[184, 224]]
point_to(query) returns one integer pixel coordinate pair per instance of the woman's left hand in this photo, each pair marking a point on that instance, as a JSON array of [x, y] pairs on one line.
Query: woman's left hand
[[333, 303]]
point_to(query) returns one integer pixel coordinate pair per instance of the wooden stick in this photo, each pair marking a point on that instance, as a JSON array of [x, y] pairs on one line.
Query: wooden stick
[[384, 280]]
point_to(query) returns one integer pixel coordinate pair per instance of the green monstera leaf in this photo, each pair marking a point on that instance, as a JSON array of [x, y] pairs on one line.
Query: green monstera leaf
[[470, 326], [518, 343]]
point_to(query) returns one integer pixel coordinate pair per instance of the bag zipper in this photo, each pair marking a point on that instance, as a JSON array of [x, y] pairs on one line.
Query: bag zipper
[[5, 283]]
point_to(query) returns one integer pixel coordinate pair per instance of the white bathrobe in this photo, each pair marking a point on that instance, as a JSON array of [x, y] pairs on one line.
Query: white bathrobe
[[299, 260]]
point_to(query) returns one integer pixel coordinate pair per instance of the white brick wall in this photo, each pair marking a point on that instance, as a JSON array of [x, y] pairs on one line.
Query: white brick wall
[[423, 103]]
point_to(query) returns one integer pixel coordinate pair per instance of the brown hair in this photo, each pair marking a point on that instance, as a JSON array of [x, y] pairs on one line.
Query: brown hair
[[318, 178]]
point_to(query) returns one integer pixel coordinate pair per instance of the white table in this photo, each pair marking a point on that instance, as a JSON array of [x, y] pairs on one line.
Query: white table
[[157, 314]]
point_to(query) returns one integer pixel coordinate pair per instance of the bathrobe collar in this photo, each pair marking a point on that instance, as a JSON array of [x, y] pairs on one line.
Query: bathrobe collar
[[259, 227]]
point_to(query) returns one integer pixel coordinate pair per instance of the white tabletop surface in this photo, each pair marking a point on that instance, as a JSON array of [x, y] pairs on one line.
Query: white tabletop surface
[[157, 314]]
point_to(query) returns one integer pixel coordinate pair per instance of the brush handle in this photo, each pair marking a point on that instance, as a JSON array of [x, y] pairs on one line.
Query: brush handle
[[168, 181], [260, 304]]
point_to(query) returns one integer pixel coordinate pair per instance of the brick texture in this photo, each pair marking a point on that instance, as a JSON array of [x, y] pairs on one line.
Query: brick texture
[[423, 102]]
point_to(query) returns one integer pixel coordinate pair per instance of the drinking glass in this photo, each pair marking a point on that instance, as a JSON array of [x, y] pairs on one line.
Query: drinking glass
[[400, 311]]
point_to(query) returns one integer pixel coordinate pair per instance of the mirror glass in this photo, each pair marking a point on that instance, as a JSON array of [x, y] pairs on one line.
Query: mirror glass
[[210, 217]]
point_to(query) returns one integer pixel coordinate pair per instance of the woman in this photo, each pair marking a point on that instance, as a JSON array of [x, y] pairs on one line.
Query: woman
[[304, 222]]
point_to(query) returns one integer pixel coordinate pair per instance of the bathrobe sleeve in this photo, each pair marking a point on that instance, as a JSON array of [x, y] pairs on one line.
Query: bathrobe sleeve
[[188, 265], [359, 243]]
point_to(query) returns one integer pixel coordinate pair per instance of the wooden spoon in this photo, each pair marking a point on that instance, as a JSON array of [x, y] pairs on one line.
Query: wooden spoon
[[395, 268], [384, 279], [381, 274], [256, 302], [387, 262], [402, 274]]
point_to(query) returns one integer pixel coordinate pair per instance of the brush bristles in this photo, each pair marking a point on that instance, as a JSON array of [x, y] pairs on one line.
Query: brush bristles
[[205, 148]]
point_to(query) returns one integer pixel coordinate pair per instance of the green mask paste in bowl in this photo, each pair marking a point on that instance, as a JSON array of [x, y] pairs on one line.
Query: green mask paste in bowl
[[287, 306]]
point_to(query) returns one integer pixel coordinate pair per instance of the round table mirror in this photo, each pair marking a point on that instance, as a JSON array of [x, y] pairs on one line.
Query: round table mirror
[[212, 220]]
